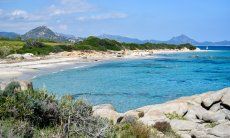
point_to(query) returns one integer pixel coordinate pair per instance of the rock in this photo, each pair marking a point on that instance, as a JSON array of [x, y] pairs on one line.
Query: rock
[[226, 112], [212, 98], [153, 116], [213, 117], [28, 56], [132, 116], [107, 111], [195, 112], [198, 134], [215, 107], [220, 131], [226, 98], [15, 56], [174, 107], [134, 113], [24, 85], [183, 125]]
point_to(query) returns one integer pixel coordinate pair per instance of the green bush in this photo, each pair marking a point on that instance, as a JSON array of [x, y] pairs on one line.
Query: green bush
[[44, 113]]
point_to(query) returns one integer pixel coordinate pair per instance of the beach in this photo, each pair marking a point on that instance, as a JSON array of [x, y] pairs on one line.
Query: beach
[[27, 69]]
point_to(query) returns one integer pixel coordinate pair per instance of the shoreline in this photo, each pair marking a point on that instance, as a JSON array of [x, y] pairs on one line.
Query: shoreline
[[38, 66]]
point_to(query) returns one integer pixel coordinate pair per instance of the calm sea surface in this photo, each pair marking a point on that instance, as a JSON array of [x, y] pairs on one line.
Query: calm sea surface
[[132, 84]]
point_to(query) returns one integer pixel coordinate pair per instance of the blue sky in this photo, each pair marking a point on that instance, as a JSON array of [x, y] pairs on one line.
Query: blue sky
[[143, 19]]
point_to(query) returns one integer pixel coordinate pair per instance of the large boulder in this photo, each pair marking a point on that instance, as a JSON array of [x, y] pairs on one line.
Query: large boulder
[[226, 98], [107, 111], [195, 112], [220, 131], [213, 116], [152, 117], [212, 98]]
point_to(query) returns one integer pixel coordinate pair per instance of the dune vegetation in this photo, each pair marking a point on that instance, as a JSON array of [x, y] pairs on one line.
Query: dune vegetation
[[44, 47]]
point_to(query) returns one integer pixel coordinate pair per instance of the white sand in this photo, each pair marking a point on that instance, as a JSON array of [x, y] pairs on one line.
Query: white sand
[[25, 70]]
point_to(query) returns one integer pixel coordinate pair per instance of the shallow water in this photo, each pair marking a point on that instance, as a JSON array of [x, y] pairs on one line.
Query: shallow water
[[132, 84]]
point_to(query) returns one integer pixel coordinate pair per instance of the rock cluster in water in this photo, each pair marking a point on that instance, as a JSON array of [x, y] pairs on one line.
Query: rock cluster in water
[[201, 116]]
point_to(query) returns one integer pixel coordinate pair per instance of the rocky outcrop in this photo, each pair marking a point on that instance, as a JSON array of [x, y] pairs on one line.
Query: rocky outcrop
[[202, 116]]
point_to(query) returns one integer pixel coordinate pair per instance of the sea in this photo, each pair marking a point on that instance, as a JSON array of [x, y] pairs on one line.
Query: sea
[[130, 84]]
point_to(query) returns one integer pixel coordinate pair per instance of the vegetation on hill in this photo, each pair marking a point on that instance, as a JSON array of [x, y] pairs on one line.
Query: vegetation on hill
[[35, 113], [44, 46]]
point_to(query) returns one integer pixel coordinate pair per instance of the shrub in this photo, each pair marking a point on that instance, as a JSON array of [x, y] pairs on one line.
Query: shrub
[[166, 129], [77, 119], [127, 130], [15, 128], [4, 51], [30, 43]]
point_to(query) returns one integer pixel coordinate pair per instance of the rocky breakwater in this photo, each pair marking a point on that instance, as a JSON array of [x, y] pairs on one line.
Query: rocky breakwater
[[200, 116]]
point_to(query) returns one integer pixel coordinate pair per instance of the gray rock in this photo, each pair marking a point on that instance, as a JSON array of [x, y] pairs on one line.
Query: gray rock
[[215, 107], [195, 112], [152, 117], [213, 117], [132, 116], [198, 134], [107, 111], [220, 131], [226, 112], [212, 98], [226, 97], [183, 125]]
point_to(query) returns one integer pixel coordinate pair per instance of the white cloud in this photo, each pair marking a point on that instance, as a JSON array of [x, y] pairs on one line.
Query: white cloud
[[70, 6], [103, 16], [19, 15]]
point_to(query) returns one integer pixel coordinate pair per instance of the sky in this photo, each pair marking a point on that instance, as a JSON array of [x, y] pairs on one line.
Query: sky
[[202, 20]]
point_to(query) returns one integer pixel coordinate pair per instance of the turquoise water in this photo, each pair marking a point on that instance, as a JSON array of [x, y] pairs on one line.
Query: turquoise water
[[132, 84]]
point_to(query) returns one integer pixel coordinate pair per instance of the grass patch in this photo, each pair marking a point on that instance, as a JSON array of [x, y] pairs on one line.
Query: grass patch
[[174, 115], [211, 125]]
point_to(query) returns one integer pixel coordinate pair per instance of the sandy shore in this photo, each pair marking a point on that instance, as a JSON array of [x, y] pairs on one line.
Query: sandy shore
[[26, 69]]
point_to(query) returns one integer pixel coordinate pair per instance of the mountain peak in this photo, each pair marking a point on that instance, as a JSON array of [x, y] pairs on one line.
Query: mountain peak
[[181, 39]]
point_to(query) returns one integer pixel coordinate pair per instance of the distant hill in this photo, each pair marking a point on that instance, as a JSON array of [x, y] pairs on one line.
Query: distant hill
[[121, 38], [43, 32], [181, 39], [10, 35]]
